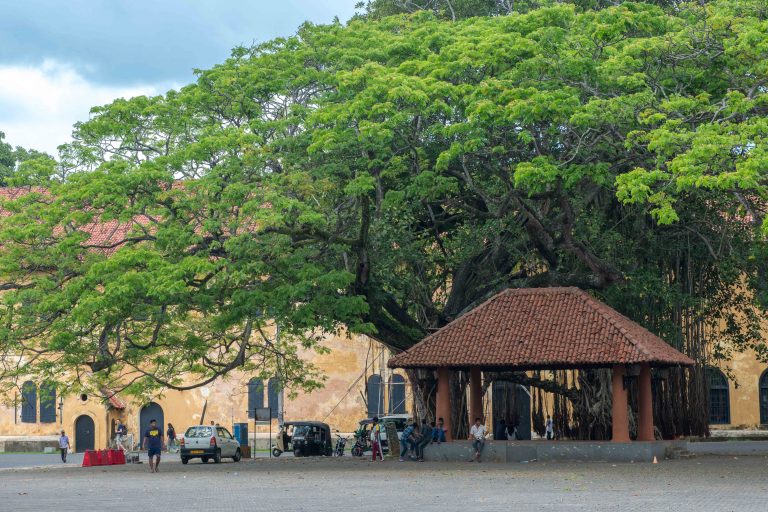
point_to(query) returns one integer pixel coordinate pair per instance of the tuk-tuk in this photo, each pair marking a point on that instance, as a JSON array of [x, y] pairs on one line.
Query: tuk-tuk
[[304, 438]]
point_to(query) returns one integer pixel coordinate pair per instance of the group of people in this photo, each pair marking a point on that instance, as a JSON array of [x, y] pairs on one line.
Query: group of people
[[415, 437]]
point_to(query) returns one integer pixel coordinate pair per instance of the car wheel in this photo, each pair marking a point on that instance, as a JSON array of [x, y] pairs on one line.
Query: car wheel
[[276, 452], [184, 460], [205, 460], [217, 457], [237, 456], [297, 452]]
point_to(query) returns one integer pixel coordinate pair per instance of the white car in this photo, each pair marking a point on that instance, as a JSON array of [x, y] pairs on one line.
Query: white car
[[208, 443]]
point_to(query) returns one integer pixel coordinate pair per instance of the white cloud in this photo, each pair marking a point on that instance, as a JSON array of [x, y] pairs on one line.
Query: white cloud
[[39, 104]]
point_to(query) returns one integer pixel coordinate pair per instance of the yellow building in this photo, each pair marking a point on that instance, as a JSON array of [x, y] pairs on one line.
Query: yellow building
[[738, 393], [357, 383]]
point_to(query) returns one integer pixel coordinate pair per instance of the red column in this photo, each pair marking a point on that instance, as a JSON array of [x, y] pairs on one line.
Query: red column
[[619, 416], [443, 400], [645, 405], [475, 395]]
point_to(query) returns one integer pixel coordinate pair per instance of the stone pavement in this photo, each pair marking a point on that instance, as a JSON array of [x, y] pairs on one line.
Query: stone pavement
[[339, 485]]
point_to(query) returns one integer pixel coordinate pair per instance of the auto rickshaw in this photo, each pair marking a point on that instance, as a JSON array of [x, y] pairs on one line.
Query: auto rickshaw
[[304, 438]]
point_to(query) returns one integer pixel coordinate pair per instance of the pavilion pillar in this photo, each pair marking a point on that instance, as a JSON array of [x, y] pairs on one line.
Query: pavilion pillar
[[475, 394], [619, 416], [443, 400], [645, 405]]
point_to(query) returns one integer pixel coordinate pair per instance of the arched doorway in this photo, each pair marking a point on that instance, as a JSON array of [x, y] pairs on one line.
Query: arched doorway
[[151, 411], [85, 433]]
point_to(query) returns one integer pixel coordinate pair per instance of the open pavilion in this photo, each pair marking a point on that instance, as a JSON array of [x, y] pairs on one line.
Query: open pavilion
[[545, 329]]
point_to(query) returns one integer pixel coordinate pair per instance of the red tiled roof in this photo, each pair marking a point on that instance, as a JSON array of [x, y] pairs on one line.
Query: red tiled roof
[[537, 328], [114, 400]]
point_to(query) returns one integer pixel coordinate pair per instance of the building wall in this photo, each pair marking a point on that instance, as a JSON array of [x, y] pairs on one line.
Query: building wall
[[743, 390], [340, 403]]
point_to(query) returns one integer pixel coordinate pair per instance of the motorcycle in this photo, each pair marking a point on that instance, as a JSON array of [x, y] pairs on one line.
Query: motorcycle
[[341, 442], [361, 445]]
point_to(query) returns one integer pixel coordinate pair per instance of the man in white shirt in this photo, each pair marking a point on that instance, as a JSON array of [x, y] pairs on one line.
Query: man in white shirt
[[477, 435], [63, 446]]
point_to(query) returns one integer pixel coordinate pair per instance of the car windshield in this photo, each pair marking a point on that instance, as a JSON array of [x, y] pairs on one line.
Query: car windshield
[[198, 432], [301, 430]]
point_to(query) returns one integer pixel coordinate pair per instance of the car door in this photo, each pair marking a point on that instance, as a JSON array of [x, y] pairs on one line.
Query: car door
[[227, 442]]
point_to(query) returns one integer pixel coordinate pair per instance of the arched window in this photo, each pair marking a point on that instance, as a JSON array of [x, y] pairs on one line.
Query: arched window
[[255, 396], [48, 402], [375, 396], [29, 402], [396, 394], [273, 393], [719, 406], [764, 397]]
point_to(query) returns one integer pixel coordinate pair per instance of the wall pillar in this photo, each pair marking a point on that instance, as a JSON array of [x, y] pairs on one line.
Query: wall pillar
[[443, 400], [475, 395], [619, 416], [645, 405]]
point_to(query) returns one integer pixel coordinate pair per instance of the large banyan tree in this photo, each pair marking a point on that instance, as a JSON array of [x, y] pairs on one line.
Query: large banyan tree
[[388, 175]]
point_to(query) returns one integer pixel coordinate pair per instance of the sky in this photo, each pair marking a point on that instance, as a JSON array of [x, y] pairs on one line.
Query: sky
[[58, 58]]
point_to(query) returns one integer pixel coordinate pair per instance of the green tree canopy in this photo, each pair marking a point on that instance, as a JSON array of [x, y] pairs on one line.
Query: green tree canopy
[[386, 176], [19, 165]]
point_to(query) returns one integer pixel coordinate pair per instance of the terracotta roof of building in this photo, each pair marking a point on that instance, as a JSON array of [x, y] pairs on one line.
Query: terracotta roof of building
[[537, 328]]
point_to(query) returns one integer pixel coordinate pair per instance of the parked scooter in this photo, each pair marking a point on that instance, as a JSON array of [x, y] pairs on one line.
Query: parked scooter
[[341, 442], [362, 444]]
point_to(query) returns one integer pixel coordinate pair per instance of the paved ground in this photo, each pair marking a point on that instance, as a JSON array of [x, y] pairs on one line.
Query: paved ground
[[25, 460], [340, 485], [30, 460]]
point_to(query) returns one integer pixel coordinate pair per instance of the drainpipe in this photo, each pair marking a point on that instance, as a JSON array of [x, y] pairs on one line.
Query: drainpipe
[[281, 389]]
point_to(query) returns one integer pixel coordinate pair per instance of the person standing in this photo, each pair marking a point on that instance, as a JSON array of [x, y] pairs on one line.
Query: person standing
[[406, 438], [550, 428], [63, 446], [171, 436], [477, 434], [424, 440], [153, 443], [376, 440], [121, 433]]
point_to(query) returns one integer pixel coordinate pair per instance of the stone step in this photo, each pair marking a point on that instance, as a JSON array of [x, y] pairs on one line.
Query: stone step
[[680, 453]]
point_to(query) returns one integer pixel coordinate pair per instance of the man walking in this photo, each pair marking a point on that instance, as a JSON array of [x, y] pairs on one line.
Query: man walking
[[376, 440], [477, 434], [121, 433], [63, 446], [153, 443]]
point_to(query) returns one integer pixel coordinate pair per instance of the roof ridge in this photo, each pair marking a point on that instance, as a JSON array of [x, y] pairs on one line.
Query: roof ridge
[[599, 308]]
